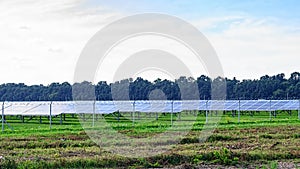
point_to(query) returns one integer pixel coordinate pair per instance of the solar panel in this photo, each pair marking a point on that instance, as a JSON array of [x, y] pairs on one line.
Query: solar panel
[[84, 107], [278, 104], [148, 106], [254, 105], [124, 106], [66, 107], [143, 106], [292, 105], [38, 108], [177, 106], [28, 108], [158, 106], [216, 105], [10, 109], [190, 105], [262, 105], [231, 105], [105, 107], [203, 105]]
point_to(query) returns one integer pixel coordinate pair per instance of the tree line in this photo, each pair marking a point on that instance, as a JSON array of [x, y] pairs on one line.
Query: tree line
[[267, 87]]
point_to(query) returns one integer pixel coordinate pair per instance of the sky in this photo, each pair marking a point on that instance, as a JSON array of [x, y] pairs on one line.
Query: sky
[[41, 41]]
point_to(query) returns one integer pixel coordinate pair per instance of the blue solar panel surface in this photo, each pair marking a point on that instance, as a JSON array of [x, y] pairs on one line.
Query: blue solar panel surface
[[107, 107]]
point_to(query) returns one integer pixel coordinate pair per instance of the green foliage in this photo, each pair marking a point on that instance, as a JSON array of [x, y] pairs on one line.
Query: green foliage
[[267, 87], [266, 136], [216, 137], [296, 135], [189, 140], [224, 156], [7, 163], [274, 165], [144, 163]]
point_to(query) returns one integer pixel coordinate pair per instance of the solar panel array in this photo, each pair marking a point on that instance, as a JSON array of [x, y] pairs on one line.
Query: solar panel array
[[107, 107], [28, 108]]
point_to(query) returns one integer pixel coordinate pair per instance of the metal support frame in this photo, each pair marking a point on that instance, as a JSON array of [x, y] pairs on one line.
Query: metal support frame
[[239, 112], [50, 117], [133, 113], [118, 115], [61, 119], [2, 119], [172, 111], [270, 109], [206, 112], [299, 110], [94, 111]]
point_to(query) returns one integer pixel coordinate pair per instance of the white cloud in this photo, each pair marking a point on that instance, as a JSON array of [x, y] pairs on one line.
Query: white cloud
[[41, 40], [209, 23], [250, 48]]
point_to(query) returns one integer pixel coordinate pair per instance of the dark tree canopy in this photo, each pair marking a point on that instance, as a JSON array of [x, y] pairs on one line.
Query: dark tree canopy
[[187, 88]]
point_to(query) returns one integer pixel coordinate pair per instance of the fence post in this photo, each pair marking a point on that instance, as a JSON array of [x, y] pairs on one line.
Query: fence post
[[270, 109], [50, 115], [299, 110], [239, 112], [2, 120], [206, 112], [172, 110], [94, 109], [133, 111]]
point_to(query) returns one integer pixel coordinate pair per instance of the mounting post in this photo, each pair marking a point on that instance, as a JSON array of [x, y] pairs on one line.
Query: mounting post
[[133, 112], [61, 120], [270, 108], [239, 111], [94, 110], [50, 117], [206, 111], [2, 120], [172, 110], [118, 115], [299, 109]]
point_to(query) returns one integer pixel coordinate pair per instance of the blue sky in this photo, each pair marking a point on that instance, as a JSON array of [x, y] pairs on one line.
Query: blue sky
[[42, 40], [283, 13], [277, 12], [191, 9]]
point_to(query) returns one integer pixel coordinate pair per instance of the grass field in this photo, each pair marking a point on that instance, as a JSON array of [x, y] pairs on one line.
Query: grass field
[[256, 142]]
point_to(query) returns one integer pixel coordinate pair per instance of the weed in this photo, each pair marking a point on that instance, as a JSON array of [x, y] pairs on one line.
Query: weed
[[266, 136], [274, 165], [224, 156], [8, 163]]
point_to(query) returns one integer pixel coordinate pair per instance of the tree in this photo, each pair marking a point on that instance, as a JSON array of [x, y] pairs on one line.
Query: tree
[[267, 87]]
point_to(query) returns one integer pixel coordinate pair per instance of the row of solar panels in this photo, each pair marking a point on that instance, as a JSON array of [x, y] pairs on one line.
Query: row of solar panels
[[106, 107]]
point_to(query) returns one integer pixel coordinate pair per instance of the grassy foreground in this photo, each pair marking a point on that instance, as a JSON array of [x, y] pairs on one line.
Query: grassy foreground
[[256, 142]]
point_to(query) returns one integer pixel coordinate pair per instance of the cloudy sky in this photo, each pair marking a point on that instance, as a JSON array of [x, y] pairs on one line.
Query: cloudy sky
[[40, 41]]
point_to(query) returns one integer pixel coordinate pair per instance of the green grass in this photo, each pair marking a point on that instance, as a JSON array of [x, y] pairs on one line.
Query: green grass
[[256, 140]]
